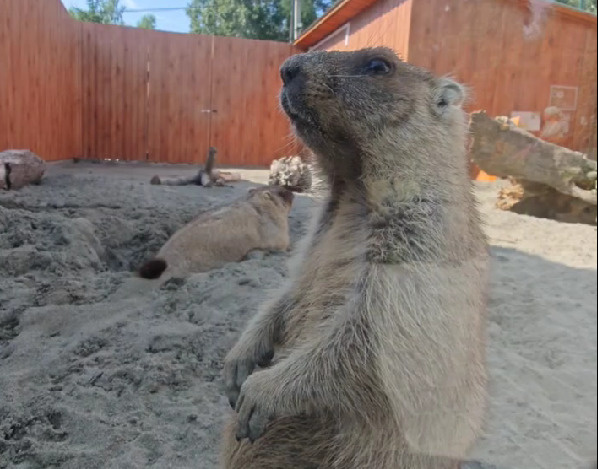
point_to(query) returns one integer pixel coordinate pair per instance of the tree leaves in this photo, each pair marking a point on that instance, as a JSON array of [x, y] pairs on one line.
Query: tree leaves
[[100, 11], [253, 19], [147, 22]]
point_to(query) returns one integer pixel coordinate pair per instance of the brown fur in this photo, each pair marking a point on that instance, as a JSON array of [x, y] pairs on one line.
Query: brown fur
[[373, 355], [227, 234], [153, 269]]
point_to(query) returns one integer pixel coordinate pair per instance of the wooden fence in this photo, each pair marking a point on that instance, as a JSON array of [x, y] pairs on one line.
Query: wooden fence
[[71, 89], [40, 79]]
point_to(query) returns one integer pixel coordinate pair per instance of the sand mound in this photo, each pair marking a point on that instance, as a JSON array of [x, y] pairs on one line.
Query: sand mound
[[99, 369]]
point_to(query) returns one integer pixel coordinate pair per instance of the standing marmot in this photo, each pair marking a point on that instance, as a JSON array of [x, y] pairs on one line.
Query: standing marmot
[[374, 353], [226, 234]]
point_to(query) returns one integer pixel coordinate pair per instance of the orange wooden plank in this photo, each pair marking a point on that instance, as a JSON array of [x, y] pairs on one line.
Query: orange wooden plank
[[86, 64], [116, 83], [5, 79], [126, 98], [140, 97], [221, 98], [106, 92], [203, 84], [154, 105], [39, 80], [164, 96], [98, 111]]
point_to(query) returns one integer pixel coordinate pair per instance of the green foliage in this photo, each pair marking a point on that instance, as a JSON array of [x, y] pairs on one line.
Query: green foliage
[[587, 5], [100, 11], [147, 22], [254, 19], [221, 17]]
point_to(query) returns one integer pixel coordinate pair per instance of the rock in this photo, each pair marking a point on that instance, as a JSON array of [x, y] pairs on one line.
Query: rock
[[19, 168], [291, 172], [255, 255], [3, 175]]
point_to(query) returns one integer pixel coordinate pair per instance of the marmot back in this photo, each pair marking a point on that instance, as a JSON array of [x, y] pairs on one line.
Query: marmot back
[[373, 355], [226, 234]]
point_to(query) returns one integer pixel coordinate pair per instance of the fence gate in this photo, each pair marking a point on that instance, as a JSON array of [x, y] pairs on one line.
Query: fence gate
[[114, 93], [161, 97], [180, 69]]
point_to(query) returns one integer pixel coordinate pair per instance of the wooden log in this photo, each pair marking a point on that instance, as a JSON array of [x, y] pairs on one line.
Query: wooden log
[[20, 168], [500, 148], [175, 180]]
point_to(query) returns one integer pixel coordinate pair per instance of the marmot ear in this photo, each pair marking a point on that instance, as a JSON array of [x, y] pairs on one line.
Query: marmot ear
[[449, 93]]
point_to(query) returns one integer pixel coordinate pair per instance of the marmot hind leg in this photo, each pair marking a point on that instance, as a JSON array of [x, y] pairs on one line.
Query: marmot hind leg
[[307, 442], [298, 442]]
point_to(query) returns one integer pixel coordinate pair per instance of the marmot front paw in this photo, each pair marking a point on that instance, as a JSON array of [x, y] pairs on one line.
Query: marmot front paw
[[255, 406], [238, 365]]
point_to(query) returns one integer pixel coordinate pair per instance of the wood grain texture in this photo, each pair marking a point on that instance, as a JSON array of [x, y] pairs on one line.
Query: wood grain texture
[[510, 55], [385, 23], [508, 52], [248, 126], [71, 89], [40, 79]]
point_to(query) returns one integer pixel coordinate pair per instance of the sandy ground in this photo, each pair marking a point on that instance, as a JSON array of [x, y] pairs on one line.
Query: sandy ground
[[99, 371]]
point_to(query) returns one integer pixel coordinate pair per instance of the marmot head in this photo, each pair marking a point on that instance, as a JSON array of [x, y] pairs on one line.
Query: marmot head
[[273, 196], [351, 106]]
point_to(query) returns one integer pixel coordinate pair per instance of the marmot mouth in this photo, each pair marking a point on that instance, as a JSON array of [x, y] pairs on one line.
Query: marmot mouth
[[295, 114]]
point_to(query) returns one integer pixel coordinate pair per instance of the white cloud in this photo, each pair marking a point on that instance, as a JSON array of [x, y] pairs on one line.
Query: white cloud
[[130, 4]]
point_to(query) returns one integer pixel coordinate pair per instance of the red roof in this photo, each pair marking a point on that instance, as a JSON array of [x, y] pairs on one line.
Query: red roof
[[334, 18], [344, 10]]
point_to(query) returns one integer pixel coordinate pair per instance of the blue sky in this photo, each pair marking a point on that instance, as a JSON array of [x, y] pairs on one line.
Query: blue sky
[[174, 20]]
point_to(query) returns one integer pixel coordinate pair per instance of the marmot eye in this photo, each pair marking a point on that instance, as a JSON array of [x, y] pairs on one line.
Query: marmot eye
[[378, 67]]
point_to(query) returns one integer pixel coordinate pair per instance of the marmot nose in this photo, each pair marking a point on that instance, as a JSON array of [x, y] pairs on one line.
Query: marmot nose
[[289, 71]]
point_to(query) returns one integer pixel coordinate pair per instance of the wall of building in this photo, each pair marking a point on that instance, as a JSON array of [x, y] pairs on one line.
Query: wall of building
[[533, 61], [518, 61], [387, 23]]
